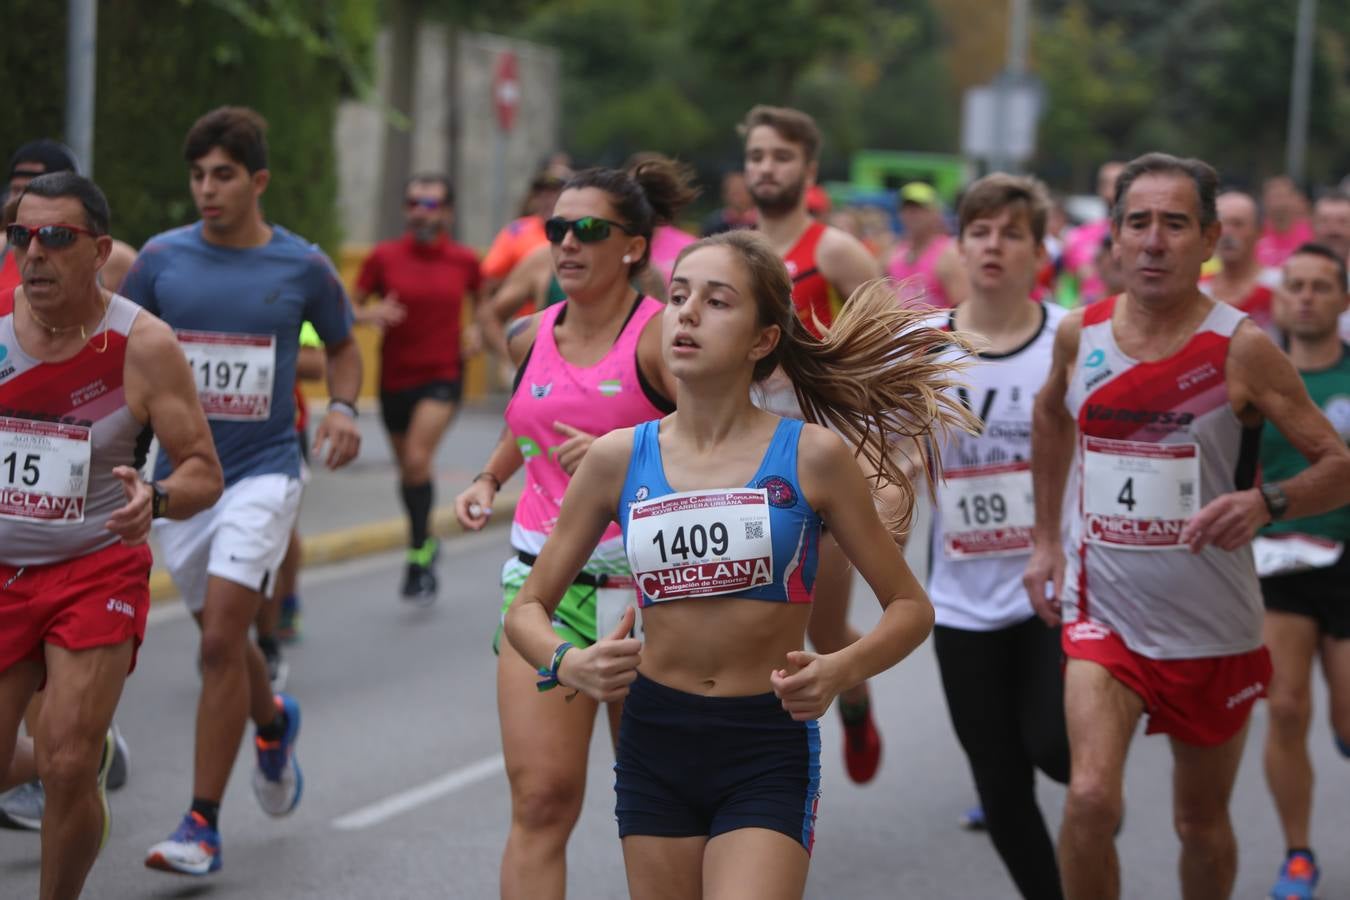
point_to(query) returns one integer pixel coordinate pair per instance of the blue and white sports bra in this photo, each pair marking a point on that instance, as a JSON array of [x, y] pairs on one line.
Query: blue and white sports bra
[[759, 541]]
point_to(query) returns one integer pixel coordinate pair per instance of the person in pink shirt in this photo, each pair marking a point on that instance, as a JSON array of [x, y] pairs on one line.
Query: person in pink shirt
[[1285, 209], [1082, 244], [667, 240], [927, 256]]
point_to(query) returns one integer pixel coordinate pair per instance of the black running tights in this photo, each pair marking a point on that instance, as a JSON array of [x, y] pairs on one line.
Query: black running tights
[[1005, 692]]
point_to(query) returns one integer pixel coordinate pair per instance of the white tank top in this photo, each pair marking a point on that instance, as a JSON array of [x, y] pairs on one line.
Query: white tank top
[[1157, 441], [63, 428], [984, 511]]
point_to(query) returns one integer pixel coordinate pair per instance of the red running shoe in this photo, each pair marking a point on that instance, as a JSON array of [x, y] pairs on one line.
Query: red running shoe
[[862, 741]]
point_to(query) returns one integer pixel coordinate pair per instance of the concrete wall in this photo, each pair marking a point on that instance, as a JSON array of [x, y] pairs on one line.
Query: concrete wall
[[452, 119]]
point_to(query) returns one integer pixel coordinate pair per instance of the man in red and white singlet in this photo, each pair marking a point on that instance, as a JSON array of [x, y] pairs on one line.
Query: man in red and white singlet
[[1241, 280], [782, 154], [86, 379], [1155, 398]]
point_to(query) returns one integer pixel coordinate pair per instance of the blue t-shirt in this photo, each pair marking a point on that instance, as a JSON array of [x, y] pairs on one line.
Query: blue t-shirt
[[194, 285]]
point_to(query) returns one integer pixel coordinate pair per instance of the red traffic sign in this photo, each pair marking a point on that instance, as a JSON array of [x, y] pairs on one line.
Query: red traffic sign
[[506, 90]]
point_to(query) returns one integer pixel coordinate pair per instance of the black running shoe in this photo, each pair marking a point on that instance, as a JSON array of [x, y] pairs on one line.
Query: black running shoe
[[419, 585]]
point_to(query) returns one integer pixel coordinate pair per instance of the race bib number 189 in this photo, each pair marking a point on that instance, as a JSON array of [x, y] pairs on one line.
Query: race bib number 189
[[1137, 495], [44, 471], [233, 372], [701, 543], [987, 511]]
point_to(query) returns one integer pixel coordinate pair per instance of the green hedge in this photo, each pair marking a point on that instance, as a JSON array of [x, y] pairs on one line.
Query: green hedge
[[161, 64]]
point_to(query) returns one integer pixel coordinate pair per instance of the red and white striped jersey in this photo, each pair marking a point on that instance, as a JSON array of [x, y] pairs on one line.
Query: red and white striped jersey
[[63, 428], [1156, 442]]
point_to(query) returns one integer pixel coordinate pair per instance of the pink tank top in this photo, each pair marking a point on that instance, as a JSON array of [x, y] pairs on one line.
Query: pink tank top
[[596, 399], [923, 270], [1080, 258], [667, 242]]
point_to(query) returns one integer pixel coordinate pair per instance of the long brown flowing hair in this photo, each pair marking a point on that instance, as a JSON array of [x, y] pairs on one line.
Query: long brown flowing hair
[[883, 376]]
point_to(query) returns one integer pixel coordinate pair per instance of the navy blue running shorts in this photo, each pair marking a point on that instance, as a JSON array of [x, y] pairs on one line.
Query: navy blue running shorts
[[694, 766]]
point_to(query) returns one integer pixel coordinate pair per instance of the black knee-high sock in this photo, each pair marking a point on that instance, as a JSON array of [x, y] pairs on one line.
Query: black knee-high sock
[[417, 499]]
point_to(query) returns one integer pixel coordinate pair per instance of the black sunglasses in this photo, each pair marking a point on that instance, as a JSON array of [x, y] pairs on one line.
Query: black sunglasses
[[588, 229], [424, 203], [53, 237]]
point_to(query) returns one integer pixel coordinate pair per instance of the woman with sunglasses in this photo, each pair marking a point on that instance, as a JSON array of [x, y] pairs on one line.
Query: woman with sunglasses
[[586, 366], [423, 280], [722, 505]]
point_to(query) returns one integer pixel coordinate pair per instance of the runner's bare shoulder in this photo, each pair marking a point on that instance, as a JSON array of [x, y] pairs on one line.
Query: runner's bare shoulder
[[1066, 341], [520, 336]]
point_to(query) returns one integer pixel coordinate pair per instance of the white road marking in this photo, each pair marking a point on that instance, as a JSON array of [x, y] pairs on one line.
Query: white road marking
[[175, 611], [397, 804]]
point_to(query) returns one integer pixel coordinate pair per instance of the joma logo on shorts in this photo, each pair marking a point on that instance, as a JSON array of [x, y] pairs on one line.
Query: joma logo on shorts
[[1250, 692], [121, 606]]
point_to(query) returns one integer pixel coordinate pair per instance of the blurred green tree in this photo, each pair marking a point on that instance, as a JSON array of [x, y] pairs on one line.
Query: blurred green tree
[[163, 64], [1194, 77]]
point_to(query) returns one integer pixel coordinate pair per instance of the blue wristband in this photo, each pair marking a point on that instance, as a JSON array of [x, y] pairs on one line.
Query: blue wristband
[[549, 676]]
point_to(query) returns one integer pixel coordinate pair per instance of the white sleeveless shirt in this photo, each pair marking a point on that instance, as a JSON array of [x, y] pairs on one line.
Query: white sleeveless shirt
[[1157, 441], [63, 428], [984, 513]]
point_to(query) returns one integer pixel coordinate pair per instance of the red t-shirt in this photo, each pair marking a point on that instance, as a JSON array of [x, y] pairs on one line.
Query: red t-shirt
[[430, 281], [9, 270]]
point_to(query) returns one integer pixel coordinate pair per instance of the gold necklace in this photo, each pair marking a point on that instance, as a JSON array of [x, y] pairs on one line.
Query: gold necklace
[[55, 330]]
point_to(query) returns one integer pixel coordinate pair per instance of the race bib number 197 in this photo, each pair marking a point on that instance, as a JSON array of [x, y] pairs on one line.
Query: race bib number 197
[[233, 373], [701, 543], [1137, 495], [44, 471]]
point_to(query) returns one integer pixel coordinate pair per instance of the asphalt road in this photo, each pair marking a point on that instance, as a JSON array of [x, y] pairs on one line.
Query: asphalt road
[[405, 797]]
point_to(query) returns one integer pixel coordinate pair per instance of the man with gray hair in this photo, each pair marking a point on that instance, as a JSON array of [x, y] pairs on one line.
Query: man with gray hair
[[1155, 397], [83, 374]]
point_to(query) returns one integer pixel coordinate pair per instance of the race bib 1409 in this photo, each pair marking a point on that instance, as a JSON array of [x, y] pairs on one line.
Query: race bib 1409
[[701, 543]]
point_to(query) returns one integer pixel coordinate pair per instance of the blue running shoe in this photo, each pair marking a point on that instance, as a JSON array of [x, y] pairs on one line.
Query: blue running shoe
[[194, 849], [973, 818], [277, 781], [1298, 878]]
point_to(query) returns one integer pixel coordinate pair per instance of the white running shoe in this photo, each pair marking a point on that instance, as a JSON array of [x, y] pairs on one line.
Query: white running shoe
[[277, 781], [193, 849]]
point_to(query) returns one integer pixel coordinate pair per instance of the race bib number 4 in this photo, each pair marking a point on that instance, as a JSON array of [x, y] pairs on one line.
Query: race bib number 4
[[44, 470], [987, 511], [701, 543], [233, 372], [1138, 495]]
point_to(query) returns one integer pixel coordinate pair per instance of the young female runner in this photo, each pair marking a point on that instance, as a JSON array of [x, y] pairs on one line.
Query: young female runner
[[584, 367], [722, 505]]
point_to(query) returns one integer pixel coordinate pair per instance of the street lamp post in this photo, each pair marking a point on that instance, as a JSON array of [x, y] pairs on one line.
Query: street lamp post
[[81, 59], [1296, 147]]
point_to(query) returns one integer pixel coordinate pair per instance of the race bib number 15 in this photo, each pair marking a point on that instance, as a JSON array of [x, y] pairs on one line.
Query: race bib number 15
[[233, 372], [44, 471], [1137, 495], [701, 543]]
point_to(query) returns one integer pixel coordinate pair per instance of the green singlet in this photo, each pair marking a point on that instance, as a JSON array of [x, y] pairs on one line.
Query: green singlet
[[1330, 390]]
